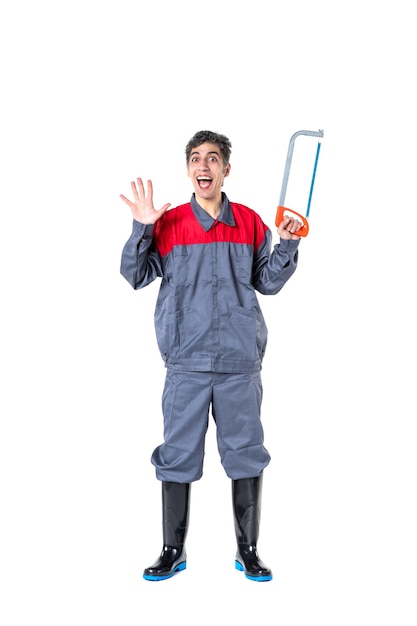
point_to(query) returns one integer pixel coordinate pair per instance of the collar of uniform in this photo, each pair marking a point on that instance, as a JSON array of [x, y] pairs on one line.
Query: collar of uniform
[[206, 221]]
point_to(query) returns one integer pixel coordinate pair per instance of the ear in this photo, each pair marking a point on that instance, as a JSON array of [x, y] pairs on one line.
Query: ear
[[227, 170]]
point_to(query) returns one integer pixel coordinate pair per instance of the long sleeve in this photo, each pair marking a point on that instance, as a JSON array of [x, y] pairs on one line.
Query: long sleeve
[[273, 269], [140, 263]]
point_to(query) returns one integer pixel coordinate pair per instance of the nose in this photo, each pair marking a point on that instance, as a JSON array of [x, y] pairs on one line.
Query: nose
[[204, 164]]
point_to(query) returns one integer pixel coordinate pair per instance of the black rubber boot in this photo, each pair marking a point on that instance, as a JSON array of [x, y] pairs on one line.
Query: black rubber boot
[[175, 516], [246, 496]]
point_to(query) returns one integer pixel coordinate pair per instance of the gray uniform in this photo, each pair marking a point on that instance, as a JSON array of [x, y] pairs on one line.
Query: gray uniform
[[210, 329]]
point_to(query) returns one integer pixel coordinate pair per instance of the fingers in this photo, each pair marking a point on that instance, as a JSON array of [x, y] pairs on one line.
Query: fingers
[[163, 210], [142, 205], [289, 227], [139, 195], [128, 202], [150, 189], [134, 190], [138, 190], [292, 225]]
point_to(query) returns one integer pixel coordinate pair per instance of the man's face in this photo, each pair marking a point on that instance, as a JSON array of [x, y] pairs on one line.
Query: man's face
[[207, 171]]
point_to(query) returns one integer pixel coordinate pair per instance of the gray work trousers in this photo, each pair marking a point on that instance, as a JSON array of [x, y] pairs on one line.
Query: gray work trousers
[[235, 401]]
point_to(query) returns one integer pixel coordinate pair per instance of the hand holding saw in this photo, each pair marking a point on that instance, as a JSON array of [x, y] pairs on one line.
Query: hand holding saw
[[303, 232]]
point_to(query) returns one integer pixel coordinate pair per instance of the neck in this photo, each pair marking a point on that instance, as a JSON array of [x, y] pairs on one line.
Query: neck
[[212, 207]]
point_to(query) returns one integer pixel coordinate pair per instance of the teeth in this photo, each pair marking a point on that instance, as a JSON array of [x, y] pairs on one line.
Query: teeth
[[203, 178]]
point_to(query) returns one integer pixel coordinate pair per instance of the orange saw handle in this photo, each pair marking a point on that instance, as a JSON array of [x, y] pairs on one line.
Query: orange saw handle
[[303, 232]]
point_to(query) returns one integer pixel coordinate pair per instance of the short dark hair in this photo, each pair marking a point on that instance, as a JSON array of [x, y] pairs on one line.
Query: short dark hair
[[203, 136]]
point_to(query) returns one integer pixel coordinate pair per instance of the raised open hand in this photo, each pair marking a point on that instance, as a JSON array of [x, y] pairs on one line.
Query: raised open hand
[[142, 206]]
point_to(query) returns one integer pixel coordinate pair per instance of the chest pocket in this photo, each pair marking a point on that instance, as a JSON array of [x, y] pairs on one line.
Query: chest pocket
[[177, 267], [242, 260]]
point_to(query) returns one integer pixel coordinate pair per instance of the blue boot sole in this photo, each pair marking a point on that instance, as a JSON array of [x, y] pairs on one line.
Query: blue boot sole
[[178, 568], [258, 579]]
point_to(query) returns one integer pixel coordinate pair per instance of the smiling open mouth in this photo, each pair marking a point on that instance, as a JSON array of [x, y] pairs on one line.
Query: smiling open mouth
[[204, 182]]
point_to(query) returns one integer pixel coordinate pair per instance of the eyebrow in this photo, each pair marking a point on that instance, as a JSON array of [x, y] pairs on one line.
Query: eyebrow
[[210, 152]]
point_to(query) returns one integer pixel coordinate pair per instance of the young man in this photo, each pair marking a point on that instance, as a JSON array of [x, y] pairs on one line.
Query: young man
[[212, 255]]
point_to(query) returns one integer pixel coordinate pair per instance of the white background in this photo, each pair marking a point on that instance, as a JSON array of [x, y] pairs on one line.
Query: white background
[[95, 94]]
